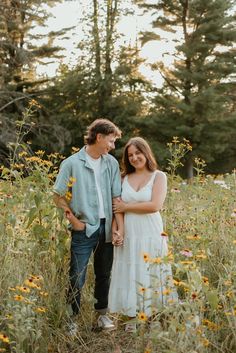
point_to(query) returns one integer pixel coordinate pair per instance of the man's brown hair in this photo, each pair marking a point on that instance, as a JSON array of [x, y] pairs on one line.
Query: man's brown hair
[[100, 126]]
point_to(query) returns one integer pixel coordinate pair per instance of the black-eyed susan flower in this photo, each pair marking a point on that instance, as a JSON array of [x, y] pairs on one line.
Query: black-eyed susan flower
[[194, 296], [193, 237], [9, 316], [40, 310], [147, 350], [157, 260], [205, 280], [43, 294], [18, 298], [4, 338], [146, 257], [37, 278], [142, 317], [166, 291], [180, 283], [142, 290], [205, 342], [211, 325], [186, 262], [74, 149], [23, 289], [68, 195], [175, 190], [30, 283], [39, 153], [201, 256]]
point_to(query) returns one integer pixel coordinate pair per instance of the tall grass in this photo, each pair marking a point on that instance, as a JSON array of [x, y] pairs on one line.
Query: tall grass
[[199, 220]]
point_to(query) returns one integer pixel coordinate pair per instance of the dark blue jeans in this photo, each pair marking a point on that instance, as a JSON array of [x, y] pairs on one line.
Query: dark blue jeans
[[81, 250]]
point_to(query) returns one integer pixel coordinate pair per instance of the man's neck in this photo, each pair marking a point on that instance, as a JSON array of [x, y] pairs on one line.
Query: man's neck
[[92, 151]]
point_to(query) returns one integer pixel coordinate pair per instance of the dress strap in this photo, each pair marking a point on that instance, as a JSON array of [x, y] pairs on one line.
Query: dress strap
[[153, 176]]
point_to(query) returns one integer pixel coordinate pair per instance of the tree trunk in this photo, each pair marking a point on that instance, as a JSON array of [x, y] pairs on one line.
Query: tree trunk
[[189, 169]]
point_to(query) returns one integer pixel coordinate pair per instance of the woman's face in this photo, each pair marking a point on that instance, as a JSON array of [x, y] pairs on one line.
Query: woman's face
[[136, 157]]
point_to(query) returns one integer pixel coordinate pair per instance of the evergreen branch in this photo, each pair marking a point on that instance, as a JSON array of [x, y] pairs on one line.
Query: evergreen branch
[[168, 82], [26, 96]]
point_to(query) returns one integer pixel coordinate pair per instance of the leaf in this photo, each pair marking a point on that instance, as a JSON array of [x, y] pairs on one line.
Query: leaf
[[37, 199], [212, 298], [148, 36], [32, 215]]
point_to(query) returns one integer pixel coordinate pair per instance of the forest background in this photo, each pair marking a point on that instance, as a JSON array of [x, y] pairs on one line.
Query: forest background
[[196, 101]]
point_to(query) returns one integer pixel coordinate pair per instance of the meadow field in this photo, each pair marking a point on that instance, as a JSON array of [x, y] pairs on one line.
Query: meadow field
[[199, 219]]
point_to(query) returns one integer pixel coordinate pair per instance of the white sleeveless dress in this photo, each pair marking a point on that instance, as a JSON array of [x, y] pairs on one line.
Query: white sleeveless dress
[[138, 285]]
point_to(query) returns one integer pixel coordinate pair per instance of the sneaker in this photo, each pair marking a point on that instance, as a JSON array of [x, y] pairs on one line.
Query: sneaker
[[131, 327], [105, 323], [72, 329]]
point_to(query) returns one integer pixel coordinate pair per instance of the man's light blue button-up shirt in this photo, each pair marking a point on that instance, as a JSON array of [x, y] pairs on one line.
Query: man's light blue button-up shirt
[[84, 201]]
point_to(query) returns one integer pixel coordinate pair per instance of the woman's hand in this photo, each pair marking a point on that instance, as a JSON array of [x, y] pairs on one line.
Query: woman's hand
[[119, 206], [117, 238]]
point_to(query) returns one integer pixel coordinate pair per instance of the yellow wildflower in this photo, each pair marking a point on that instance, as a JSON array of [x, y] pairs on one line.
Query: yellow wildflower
[[39, 153], [157, 260], [23, 289], [30, 283], [68, 195], [205, 280], [201, 256], [142, 316], [193, 237], [12, 289], [186, 262], [18, 298], [166, 291], [74, 149], [146, 257], [40, 309], [72, 180], [147, 350], [205, 342], [142, 289], [4, 338], [43, 294]]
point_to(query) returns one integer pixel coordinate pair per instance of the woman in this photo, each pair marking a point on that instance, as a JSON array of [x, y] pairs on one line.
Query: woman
[[141, 277]]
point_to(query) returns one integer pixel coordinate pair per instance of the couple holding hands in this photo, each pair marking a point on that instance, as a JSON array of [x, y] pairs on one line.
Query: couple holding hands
[[116, 217]]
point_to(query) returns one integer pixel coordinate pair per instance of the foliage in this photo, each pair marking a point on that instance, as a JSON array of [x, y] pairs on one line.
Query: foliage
[[199, 221], [196, 100], [22, 47]]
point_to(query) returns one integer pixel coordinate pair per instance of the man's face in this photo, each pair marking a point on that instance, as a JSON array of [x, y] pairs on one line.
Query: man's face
[[106, 143]]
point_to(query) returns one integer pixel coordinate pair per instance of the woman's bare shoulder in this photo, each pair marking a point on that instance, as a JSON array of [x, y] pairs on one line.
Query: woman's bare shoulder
[[159, 175]]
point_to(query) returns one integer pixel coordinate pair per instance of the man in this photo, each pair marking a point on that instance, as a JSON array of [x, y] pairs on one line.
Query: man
[[85, 186]]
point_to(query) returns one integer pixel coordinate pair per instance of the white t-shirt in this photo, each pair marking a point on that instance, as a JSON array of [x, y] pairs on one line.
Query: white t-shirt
[[96, 166]]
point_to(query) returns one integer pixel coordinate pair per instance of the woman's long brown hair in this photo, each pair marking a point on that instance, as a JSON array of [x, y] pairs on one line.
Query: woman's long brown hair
[[144, 148]]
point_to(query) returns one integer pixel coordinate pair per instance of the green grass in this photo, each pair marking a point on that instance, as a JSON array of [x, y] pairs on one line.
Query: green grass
[[34, 245]]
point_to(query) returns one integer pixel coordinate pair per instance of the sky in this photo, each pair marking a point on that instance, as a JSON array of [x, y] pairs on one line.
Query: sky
[[68, 14]]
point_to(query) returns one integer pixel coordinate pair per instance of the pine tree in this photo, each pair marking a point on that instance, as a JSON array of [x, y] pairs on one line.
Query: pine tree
[[195, 99], [22, 47]]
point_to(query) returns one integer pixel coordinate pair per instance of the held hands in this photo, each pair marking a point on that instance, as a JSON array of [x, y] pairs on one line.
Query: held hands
[[117, 238], [76, 224], [118, 206]]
